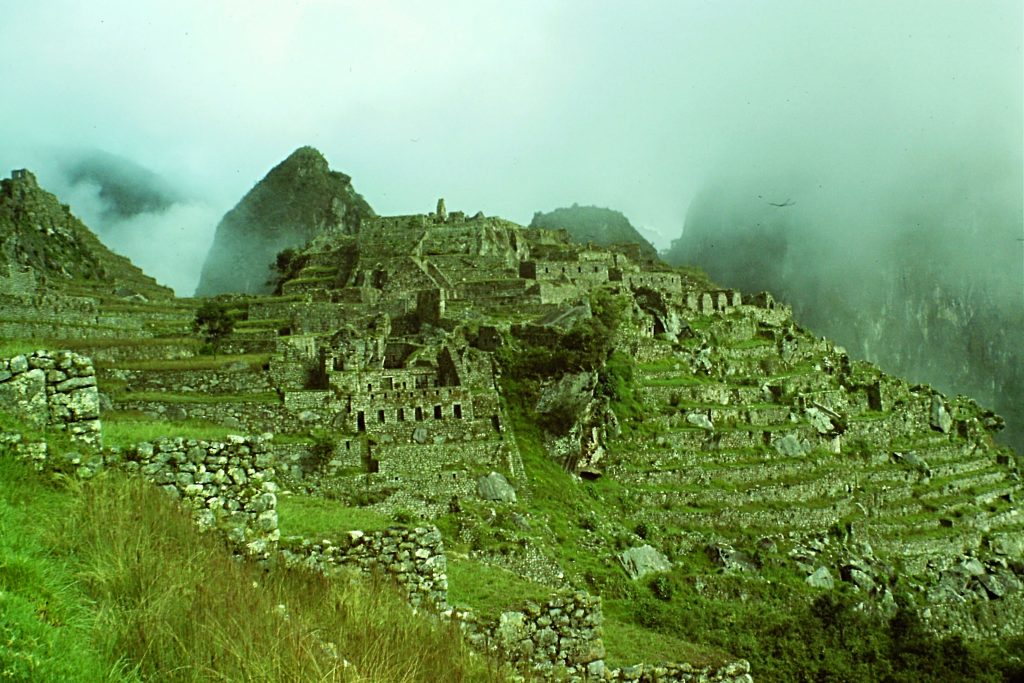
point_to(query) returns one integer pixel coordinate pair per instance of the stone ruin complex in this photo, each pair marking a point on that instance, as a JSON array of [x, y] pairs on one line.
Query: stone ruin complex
[[389, 339]]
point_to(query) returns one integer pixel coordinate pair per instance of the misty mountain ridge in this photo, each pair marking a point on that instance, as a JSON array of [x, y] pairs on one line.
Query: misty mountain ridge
[[124, 187], [298, 199]]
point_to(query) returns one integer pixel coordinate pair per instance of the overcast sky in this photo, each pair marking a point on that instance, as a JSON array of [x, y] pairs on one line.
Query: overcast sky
[[504, 107]]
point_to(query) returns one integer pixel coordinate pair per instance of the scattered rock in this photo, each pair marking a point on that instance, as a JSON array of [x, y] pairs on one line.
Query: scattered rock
[[644, 560], [791, 446], [700, 420], [940, 419], [821, 578], [495, 487]]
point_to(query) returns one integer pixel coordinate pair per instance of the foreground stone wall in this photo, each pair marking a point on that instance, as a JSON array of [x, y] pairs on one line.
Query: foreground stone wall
[[228, 486], [53, 389], [414, 558]]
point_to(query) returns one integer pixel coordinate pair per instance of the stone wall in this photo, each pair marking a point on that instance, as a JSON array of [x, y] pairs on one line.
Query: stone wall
[[414, 558], [53, 390], [228, 485], [245, 416], [18, 282], [234, 379], [564, 631]]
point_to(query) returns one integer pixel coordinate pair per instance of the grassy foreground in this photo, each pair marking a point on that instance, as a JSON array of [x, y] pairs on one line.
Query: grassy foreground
[[109, 580]]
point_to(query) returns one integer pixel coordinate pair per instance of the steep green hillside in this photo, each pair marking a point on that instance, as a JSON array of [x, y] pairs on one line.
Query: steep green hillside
[[38, 232]]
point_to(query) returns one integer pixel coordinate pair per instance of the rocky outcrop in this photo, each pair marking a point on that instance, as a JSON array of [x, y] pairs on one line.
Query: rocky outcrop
[[495, 487], [298, 199], [644, 560], [581, 420]]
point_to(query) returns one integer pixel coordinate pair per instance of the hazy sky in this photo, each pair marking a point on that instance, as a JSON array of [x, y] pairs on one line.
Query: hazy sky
[[505, 107]]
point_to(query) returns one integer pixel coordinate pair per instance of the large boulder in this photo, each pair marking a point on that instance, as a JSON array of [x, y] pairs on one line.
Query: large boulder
[[939, 417], [494, 486], [791, 446], [821, 578], [644, 560]]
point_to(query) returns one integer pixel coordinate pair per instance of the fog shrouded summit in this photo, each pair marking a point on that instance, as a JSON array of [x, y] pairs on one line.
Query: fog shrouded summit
[[298, 199]]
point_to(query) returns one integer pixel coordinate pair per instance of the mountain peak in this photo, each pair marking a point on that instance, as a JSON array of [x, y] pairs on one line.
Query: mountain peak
[[601, 226], [298, 199]]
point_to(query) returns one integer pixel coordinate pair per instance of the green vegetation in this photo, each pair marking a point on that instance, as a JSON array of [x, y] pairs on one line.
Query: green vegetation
[[253, 360], [110, 581], [197, 397], [489, 590], [317, 518], [47, 631], [213, 322], [123, 429]]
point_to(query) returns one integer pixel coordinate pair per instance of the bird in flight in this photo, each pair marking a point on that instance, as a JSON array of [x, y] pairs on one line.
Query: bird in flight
[[788, 202]]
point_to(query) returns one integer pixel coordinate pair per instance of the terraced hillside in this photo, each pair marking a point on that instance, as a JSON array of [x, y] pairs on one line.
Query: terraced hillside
[[574, 417]]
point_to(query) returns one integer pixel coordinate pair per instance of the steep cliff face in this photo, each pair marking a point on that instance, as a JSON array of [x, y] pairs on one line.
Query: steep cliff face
[[38, 232], [929, 294], [298, 199], [603, 227]]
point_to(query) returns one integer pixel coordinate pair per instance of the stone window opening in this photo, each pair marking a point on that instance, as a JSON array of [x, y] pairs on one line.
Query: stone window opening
[[437, 413], [401, 415], [369, 387], [419, 414], [361, 421], [380, 416], [457, 411]]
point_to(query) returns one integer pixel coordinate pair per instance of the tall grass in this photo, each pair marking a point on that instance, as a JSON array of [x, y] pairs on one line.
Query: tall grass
[[181, 608], [47, 632]]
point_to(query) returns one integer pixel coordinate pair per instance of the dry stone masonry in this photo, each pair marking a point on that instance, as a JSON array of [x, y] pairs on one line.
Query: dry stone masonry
[[414, 558], [53, 390], [229, 486]]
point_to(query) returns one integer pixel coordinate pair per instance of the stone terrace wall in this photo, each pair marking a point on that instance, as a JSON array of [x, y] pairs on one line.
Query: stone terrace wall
[[232, 380], [228, 486], [414, 558], [734, 672], [53, 389], [565, 631]]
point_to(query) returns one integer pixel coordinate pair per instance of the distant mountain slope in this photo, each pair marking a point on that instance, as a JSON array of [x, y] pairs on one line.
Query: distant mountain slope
[[298, 199], [593, 224], [39, 232], [930, 291]]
